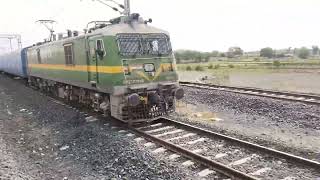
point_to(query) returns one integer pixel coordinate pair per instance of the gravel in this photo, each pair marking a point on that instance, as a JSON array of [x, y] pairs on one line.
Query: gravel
[[288, 126], [44, 139], [241, 158]]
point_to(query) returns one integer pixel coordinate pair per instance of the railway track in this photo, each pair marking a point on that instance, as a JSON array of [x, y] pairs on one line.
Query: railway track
[[283, 95], [212, 155], [220, 154]]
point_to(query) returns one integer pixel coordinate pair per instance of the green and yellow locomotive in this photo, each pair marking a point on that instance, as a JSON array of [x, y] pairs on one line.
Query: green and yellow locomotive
[[123, 68]]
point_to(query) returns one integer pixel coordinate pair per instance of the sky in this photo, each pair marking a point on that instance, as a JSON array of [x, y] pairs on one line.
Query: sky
[[203, 25]]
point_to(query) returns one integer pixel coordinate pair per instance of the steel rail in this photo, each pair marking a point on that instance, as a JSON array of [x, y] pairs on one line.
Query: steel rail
[[279, 154], [230, 172], [293, 96]]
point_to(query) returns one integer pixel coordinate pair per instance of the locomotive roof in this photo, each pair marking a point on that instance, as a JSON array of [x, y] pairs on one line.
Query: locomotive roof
[[113, 30], [134, 27]]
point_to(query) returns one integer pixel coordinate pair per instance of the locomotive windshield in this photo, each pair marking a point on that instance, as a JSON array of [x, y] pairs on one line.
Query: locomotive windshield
[[144, 44]]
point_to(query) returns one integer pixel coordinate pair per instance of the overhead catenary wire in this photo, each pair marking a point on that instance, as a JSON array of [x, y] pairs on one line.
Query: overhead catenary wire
[[114, 8], [120, 5]]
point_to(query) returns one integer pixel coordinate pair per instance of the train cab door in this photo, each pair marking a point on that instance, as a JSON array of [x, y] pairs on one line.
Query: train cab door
[[93, 75]]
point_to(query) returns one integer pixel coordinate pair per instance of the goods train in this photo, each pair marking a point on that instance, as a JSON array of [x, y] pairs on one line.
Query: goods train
[[124, 68]]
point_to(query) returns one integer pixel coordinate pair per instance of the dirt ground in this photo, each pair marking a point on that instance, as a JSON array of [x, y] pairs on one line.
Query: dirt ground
[[298, 80]]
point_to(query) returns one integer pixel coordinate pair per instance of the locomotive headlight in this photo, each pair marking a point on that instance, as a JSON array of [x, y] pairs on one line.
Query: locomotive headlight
[[133, 100], [149, 67], [153, 98], [126, 70], [179, 93]]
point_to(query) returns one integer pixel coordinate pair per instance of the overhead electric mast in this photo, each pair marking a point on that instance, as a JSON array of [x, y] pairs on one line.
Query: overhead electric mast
[[10, 37]]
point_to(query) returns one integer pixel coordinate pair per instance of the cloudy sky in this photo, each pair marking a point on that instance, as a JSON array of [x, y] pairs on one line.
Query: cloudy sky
[[201, 25]]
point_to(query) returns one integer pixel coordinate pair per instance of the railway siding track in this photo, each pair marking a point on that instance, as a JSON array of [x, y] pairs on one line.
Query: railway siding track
[[283, 95], [232, 157]]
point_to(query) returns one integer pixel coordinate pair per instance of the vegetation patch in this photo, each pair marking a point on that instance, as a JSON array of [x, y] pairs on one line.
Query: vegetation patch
[[199, 68], [276, 63], [189, 68], [217, 66]]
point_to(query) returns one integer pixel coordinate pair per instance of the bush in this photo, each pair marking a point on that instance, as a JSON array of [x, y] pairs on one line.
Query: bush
[[256, 59], [222, 55], [231, 66], [199, 68], [303, 53], [217, 66], [189, 68], [210, 66], [276, 63], [266, 52]]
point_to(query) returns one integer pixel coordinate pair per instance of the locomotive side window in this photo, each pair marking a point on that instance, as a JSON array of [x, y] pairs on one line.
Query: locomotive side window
[[100, 48], [68, 53], [99, 44], [39, 56]]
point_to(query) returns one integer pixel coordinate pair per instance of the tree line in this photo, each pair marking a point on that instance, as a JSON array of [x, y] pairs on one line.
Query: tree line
[[197, 56], [302, 52], [191, 56], [194, 56]]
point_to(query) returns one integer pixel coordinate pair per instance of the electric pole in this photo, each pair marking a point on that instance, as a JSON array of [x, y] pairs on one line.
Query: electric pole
[[126, 8], [10, 37]]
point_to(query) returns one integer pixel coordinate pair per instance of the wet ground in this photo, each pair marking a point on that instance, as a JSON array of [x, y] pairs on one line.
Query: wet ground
[[281, 79]]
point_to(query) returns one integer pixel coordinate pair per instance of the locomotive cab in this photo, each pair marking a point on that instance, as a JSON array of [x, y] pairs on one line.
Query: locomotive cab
[[150, 81]]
